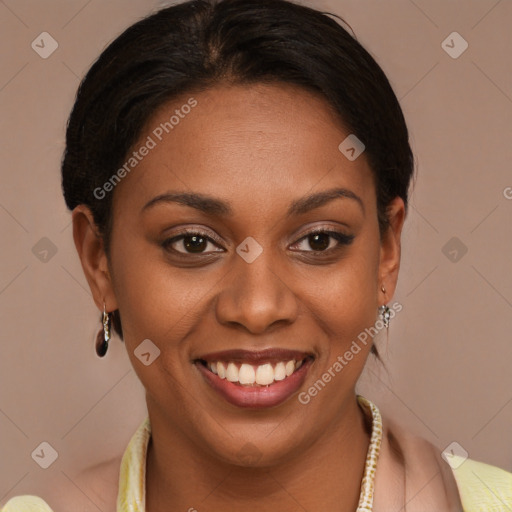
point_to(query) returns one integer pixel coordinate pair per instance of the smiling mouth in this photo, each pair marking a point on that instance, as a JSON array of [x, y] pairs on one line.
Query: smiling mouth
[[247, 374], [255, 379]]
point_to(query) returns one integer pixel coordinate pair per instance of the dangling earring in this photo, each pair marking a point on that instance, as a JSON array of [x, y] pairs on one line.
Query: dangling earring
[[103, 335], [384, 311]]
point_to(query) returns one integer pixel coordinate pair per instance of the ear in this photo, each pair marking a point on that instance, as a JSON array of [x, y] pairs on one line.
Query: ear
[[390, 249], [91, 251]]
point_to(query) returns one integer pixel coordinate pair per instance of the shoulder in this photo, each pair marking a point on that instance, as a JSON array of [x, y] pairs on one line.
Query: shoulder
[[102, 482], [26, 504], [483, 487], [95, 488], [464, 484], [418, 455], [414, 467]]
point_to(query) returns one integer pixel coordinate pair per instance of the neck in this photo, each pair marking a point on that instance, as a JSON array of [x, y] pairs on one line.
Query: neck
[[325, 476]]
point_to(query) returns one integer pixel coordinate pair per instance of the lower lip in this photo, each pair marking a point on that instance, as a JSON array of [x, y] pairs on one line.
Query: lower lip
[[257, 397]]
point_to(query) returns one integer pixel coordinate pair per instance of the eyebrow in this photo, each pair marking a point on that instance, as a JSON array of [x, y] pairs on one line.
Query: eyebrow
[[213, 206]]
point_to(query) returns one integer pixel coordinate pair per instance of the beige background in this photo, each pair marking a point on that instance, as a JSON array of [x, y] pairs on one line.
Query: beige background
[[450, 352]]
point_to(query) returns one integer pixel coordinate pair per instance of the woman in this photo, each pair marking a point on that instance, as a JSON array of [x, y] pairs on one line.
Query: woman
[[238, 174]]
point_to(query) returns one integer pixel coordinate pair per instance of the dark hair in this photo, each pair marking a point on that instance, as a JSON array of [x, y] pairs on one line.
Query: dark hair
[[200, 43]]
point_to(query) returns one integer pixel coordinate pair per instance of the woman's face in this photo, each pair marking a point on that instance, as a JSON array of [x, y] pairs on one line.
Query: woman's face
[[259, 166]]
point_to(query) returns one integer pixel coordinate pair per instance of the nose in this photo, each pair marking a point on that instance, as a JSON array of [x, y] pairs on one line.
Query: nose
[[257, 296]]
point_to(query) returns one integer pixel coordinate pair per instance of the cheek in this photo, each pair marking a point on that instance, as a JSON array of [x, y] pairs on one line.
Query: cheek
[[156, 301], [162, 303], [346, 304], [348, 292]]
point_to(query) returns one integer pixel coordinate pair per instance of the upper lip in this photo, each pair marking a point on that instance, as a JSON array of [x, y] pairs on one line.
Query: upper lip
[[269, 355]]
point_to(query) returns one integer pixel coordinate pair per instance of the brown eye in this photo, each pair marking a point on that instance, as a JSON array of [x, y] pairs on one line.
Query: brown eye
[[190, 243], [321, 241], [194, 243]]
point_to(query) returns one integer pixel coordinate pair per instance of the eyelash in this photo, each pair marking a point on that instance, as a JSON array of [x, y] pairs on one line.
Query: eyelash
[[342, 238]]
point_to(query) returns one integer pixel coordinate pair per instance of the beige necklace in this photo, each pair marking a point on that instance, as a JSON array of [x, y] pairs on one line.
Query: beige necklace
[[370, 467]]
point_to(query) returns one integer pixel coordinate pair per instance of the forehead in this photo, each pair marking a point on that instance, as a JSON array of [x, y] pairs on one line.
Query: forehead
[[259, 143]]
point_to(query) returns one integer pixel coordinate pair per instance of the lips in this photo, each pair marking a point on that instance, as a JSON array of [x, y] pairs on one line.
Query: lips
[[255, 379]]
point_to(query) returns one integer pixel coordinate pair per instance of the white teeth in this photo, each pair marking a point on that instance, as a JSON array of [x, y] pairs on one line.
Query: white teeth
[[248, 374], [221, 370], [232, 372], [280, 372], [265, 374]]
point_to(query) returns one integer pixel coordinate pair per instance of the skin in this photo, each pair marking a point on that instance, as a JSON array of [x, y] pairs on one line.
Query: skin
[[258, 148]]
